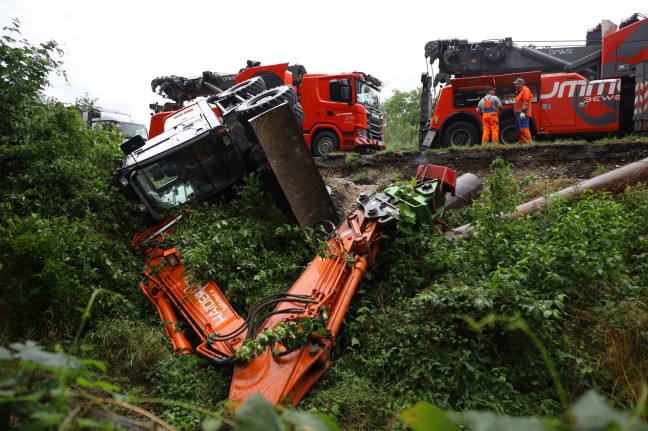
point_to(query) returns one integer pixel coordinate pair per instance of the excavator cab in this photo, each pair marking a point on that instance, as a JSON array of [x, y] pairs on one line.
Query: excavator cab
[[196, 154], [192, 160]]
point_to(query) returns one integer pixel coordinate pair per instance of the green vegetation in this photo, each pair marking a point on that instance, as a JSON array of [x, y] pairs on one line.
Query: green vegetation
[[360, 177], [401, 112], [539, 317]]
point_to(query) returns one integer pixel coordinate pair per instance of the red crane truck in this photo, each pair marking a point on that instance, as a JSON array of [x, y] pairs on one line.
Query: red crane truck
[[340, 111], [599, 89]]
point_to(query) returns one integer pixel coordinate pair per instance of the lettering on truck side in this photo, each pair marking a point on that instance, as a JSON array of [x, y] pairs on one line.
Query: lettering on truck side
[[568, 88], [561, 51]]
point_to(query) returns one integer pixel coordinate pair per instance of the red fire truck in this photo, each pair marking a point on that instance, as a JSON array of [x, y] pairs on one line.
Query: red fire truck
[[340, 111], [596, 90]]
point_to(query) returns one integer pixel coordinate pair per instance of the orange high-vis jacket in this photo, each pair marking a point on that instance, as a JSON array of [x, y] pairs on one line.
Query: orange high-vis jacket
[[523, 101]]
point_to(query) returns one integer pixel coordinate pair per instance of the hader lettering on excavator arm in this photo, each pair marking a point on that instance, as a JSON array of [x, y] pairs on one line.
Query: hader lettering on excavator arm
[[218, 152]]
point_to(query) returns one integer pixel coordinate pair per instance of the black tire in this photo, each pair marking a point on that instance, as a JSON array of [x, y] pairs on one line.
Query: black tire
[[460, 133], [299, 113], [325, 142], [335, 198], [266, 101], [246, 89], [509, 132]]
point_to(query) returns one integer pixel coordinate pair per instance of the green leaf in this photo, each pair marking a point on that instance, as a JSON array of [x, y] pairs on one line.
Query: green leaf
[[30, 351], [426, 417], [308, 421], [108, 387], [48, 418], [5, 353], [487, 421], [98, 364], [211, 423], [257, 414], [93, 424], [592, 412]]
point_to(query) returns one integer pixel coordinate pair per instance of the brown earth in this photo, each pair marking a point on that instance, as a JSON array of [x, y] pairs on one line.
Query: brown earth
[[570, 161]]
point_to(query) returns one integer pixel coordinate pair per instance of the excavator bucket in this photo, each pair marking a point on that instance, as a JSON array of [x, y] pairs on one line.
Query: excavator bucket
[[287, 152]]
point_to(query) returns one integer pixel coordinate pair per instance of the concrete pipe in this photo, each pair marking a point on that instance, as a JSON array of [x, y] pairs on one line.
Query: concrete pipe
[[467, 187], [614, 181]]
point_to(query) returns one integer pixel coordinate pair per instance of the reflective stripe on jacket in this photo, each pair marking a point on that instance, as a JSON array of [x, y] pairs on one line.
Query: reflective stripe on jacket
[[523, 101]]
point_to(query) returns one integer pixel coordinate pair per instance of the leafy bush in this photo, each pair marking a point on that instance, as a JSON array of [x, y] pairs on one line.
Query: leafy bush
[[575, 272], [402, 119], [188, 380], [247, 245], [64, 231], [129, 347]]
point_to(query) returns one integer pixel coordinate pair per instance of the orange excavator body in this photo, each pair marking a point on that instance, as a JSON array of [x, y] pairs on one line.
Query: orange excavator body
[[326, 286]]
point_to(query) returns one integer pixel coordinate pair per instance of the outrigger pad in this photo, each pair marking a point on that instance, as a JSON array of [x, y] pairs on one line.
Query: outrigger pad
[[282, 141]]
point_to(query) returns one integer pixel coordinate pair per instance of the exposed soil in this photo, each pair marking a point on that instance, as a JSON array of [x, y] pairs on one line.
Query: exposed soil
[[547, 161]]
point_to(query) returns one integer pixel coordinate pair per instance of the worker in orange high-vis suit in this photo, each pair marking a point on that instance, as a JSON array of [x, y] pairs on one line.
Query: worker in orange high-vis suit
[[490, 106], [523, 112]]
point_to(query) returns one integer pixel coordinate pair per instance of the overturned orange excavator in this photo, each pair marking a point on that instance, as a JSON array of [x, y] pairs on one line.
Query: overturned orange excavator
[[207, 147]]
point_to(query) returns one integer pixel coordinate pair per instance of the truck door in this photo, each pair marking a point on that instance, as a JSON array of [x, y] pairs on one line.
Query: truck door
[[338, 108], [557, 94]]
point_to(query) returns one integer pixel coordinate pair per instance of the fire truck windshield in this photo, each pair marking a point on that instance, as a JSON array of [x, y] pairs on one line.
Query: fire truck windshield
[[194, 173], [367, 95], [132, 129]]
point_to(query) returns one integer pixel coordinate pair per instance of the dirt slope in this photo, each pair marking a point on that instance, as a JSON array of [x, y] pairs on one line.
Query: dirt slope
[[547, 161]]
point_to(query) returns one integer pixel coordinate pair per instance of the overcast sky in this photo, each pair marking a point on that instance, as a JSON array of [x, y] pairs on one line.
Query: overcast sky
[[114, 49]]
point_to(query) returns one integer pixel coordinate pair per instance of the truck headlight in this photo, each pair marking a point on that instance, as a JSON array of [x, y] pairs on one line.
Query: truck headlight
[[362, 133]]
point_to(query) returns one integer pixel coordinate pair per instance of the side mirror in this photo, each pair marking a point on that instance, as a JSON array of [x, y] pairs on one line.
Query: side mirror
[[340, 90], [133, 144], [346, 92]]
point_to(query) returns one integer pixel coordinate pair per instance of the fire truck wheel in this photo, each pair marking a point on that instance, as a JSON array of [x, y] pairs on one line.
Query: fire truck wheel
[[325, 142], [245, 90], [509, 132], [460, 133], [265, 101]]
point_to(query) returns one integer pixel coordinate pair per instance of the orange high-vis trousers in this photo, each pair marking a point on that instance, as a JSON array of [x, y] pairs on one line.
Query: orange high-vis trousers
[[490, 121], [525, 136]]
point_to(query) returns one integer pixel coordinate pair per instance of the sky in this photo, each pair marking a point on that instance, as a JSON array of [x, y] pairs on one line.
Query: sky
[[114, 49]]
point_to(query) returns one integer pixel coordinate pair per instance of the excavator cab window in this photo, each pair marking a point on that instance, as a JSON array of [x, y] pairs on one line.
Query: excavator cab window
[[194, 173]]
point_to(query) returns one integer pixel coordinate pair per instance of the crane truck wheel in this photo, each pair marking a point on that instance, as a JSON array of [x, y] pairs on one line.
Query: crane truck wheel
[[243, 90], [325, 142], [509, 131], [266, 101], [460, 133]]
